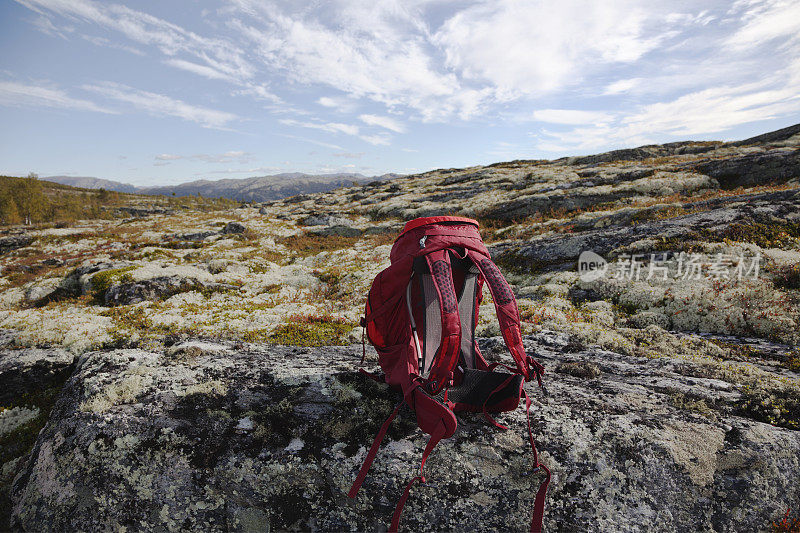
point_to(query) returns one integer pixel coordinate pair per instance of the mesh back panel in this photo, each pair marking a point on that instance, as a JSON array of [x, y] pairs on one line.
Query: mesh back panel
[[466, 312], [433, 323]]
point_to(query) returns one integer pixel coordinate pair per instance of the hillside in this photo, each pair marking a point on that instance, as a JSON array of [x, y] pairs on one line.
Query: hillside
[[198, 369], [31, 200], [88, 182], [255, 189]]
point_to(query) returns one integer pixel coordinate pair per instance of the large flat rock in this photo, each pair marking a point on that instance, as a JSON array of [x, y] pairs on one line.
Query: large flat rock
[[257, 437]]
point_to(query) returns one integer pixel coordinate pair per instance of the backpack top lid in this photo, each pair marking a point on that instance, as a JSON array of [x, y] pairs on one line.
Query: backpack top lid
[[424, 221], [424, 235]]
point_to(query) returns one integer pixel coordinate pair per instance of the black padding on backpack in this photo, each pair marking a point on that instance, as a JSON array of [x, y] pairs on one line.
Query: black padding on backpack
[[477, 385]]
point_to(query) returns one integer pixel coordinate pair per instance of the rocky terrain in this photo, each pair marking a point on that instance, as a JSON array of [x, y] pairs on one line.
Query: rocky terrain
[[197, 370]]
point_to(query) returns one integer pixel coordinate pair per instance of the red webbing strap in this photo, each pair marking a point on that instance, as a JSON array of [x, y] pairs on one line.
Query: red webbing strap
[[434, 440], [496, 364], [538, 505], [363, 341], [362, 474]]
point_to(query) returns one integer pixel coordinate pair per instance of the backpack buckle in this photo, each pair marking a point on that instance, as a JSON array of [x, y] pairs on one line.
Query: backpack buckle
[[422, 241]]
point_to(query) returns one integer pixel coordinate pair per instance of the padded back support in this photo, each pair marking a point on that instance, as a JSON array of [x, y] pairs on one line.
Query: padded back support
[[433, 323], [466, 312]]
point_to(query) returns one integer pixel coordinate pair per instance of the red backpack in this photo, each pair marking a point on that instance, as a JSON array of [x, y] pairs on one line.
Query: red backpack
[[421, 315]]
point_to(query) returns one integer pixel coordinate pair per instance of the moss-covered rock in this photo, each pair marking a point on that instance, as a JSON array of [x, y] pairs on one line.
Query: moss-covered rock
[[271, 437]]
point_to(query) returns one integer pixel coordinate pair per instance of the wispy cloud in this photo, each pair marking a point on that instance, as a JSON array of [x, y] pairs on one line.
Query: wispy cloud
[[332, 127], [576, 75], [239, 156], [338, 103], [702, 112], [160, 105], [46, 26], [22, 95], [108, 43], [168, 157], [765, 22], [146, 29], [254, 170], [260, 92], [383, 122], [570, 116], [338, 127], [202, 70]]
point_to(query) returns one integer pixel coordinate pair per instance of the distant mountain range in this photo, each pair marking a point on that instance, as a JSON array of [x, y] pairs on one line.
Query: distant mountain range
[[255, 189]]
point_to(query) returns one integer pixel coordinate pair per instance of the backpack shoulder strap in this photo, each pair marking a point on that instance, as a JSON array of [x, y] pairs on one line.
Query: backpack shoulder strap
[[507, 314]]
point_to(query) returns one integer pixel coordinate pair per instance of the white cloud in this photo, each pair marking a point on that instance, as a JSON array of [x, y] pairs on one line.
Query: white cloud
[[570, 116], [536, 48], [202, 70], [253, 170], [706, 112], [328, 101], [379, 139], [647, 70], [160, 105], [21, 95], [260, 92], [108, 43], [332, 127], [239, 156], [376, 51], [337, 127], [767, 21], [46, 26], [622, 86], [169, 38], [383, 122], [338, 103]]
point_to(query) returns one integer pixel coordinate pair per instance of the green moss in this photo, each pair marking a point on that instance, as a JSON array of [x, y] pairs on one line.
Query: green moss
[[774, 234], [766, 235], [659, 213], [332, 279], [773, 406], [793, 361], [312, 331], [102, 281], [684, 402]]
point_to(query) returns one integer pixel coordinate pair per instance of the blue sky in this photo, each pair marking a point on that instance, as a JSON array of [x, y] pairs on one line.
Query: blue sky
[[154, 92]]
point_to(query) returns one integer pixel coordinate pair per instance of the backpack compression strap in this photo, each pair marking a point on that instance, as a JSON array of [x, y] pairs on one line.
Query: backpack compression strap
[[505, 305]]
